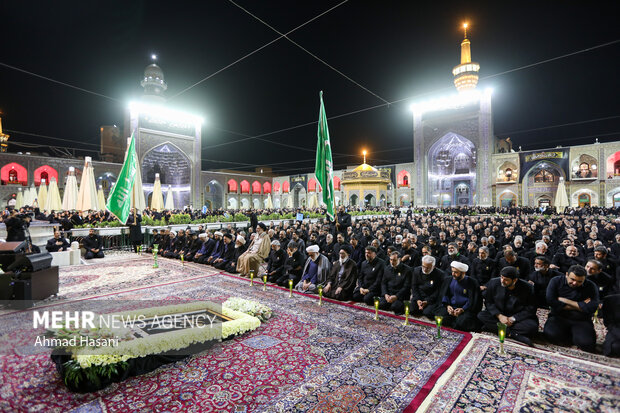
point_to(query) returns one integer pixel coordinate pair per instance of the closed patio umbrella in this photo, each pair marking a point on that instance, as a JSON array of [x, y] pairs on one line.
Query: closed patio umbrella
[[69, 198], [53, 203]]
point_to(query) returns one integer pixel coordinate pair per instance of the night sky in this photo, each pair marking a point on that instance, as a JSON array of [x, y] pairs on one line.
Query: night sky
[[402, 51]]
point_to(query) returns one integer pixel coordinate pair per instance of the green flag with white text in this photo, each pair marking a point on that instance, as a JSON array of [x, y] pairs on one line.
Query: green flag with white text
[[324, 168], [119, 201]]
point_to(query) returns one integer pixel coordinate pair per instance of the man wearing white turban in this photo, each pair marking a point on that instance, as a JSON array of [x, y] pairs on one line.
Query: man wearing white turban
[[461, 300]]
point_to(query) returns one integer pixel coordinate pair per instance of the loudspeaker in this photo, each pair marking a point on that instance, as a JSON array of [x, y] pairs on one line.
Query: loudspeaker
[[12, 247], [32, 262], [22, 294]]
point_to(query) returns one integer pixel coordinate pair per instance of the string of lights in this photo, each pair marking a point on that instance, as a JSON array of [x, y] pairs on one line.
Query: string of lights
[[49, 79], [309, 52], [257, 50]]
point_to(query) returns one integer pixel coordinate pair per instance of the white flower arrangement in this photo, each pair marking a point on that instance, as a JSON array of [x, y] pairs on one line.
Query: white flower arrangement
[[171, 340], [253, 308]]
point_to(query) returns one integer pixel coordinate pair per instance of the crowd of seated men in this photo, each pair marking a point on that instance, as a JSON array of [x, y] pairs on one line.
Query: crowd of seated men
[[218, 249], [475, 271]]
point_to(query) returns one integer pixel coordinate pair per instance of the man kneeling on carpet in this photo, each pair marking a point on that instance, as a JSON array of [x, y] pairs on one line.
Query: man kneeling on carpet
[[257, 252], [395, 285], [315, 271], [461, 299], [510, 301], [342, 277], [93, 245]]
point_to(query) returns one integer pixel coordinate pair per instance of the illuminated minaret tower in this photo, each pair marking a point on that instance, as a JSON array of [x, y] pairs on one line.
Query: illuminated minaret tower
[[466, 74]]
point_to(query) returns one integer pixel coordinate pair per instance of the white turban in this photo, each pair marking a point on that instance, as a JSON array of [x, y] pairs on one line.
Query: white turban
[[203, 235], [459, 266], [241, 239], [218, 233], [312, 248]]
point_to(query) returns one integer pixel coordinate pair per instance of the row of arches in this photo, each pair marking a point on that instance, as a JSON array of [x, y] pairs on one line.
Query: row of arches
[[14, 173], [266, 188]]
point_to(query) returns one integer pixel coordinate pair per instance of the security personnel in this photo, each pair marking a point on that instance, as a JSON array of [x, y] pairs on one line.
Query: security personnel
[[573, 300], [510, 301]]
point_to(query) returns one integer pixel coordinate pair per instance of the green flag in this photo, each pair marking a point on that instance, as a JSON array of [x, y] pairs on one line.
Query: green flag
[[324, 168], [119, 201]]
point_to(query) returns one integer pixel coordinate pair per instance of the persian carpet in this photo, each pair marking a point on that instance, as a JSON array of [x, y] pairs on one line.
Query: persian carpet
[[526, 380], [122, 274], [307, 358]]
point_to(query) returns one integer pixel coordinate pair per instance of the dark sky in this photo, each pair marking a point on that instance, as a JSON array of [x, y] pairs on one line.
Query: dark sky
[[396, 49]]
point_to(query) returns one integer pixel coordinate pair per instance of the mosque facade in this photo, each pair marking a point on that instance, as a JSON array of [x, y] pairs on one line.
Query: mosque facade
[[456, 161]]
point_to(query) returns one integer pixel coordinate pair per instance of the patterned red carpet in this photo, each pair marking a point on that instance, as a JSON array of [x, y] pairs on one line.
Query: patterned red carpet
[[307, 358], [524, 380]]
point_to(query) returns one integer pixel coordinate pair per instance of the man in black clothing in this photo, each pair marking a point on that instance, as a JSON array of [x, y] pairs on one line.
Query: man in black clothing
[[573, 300], [453, 255], [564, 260], [16, 226], [57, 243], [370, 276], [425, 287], [510, 301], [227, 254], [411, 257], [135, 229], [343, 221], [293, 266], [511, 259], [611, 306], [540, 278], [395, 285], [93, 245], [483, 268], [275, 262], [603, 280]]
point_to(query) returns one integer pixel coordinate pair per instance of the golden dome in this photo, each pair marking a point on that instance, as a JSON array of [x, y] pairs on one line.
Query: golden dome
[[365, 167]]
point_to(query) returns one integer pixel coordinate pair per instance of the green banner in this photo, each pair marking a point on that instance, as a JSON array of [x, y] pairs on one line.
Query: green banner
[[324, 168], [119, 202]]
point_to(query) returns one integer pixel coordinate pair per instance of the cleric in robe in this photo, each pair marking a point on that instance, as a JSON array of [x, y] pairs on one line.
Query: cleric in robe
[[256, 253], [342, 277], [461, 299]]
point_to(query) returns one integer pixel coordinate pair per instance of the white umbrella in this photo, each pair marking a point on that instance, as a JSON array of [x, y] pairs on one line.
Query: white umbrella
[[561, 198], [157, 199], [19, 200], [42, 197], [169, 201], [268, 202], [312, 202], [32, 195], [289, 202], [69, 198], [87, 195], [52, 202], [101, 199]]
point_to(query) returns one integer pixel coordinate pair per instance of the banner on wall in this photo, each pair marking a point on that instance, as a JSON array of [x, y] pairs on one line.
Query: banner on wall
[[529, 159]]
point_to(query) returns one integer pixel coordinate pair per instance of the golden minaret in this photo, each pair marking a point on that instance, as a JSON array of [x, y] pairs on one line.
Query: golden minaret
[[4, 138], [466, 74]]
